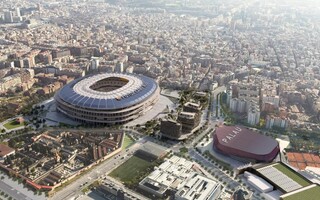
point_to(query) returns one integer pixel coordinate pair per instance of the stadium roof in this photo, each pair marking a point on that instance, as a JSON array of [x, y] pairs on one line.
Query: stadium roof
[[285, 178], [245, 140], [281, 179], [137, 89]]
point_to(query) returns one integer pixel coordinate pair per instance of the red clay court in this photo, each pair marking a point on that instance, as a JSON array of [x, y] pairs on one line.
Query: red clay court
[[302, 160]]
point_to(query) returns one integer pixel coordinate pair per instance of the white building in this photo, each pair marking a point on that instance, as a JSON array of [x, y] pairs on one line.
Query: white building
[[229, 96], [242, 105], [8, 17], [253, 115], [250, 107], [94, 63], [178, 174], [18, 13], [199, 187], [233, 104], [273, 121], [271, 99], [129, 69], [214, 85], [259, 183], [238, 105], [119, 67]]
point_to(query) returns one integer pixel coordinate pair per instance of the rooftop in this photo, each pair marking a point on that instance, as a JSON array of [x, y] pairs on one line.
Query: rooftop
[[154, 149], [198, 187], [5, 150], [311, 192], [243, 139], [284, 177], [188, 115], [136, 90]]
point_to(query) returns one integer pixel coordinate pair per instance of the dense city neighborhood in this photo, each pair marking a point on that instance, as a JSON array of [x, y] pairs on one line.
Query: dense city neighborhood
[[159, 99]]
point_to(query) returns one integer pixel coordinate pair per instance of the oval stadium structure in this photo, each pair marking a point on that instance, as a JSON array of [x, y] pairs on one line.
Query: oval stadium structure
[[108, 98], [240, 142]]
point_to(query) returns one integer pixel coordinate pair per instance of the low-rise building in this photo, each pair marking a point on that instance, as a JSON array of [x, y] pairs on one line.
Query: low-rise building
[[177, 175], [5, 151], [199, 187], [151, 151]]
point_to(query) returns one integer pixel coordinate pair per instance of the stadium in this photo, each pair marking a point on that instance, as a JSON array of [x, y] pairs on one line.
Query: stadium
[[244, 144], [108, 98]]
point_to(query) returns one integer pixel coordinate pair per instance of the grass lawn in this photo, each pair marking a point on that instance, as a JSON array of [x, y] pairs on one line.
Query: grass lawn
[[292, 175], [309, 194], [12, 124], [131, 170], [127, 142], [183, 150]]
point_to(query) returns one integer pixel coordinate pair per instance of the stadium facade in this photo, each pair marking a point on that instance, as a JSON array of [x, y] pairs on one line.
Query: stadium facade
[[242, 143], [108, 98]]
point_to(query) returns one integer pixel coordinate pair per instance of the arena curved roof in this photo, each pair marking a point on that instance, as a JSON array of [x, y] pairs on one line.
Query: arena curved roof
[[137, 89], [242, 142]]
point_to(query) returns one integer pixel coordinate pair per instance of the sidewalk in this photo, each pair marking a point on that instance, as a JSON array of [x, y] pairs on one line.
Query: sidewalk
[[18, 190]]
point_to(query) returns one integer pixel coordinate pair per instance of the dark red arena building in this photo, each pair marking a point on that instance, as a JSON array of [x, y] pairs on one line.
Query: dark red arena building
[[240, 142]]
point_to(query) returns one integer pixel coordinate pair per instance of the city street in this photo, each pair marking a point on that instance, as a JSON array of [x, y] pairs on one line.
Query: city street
[[214, 104], [12, 192], [17, 191], [76, 74], [74, 189]]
